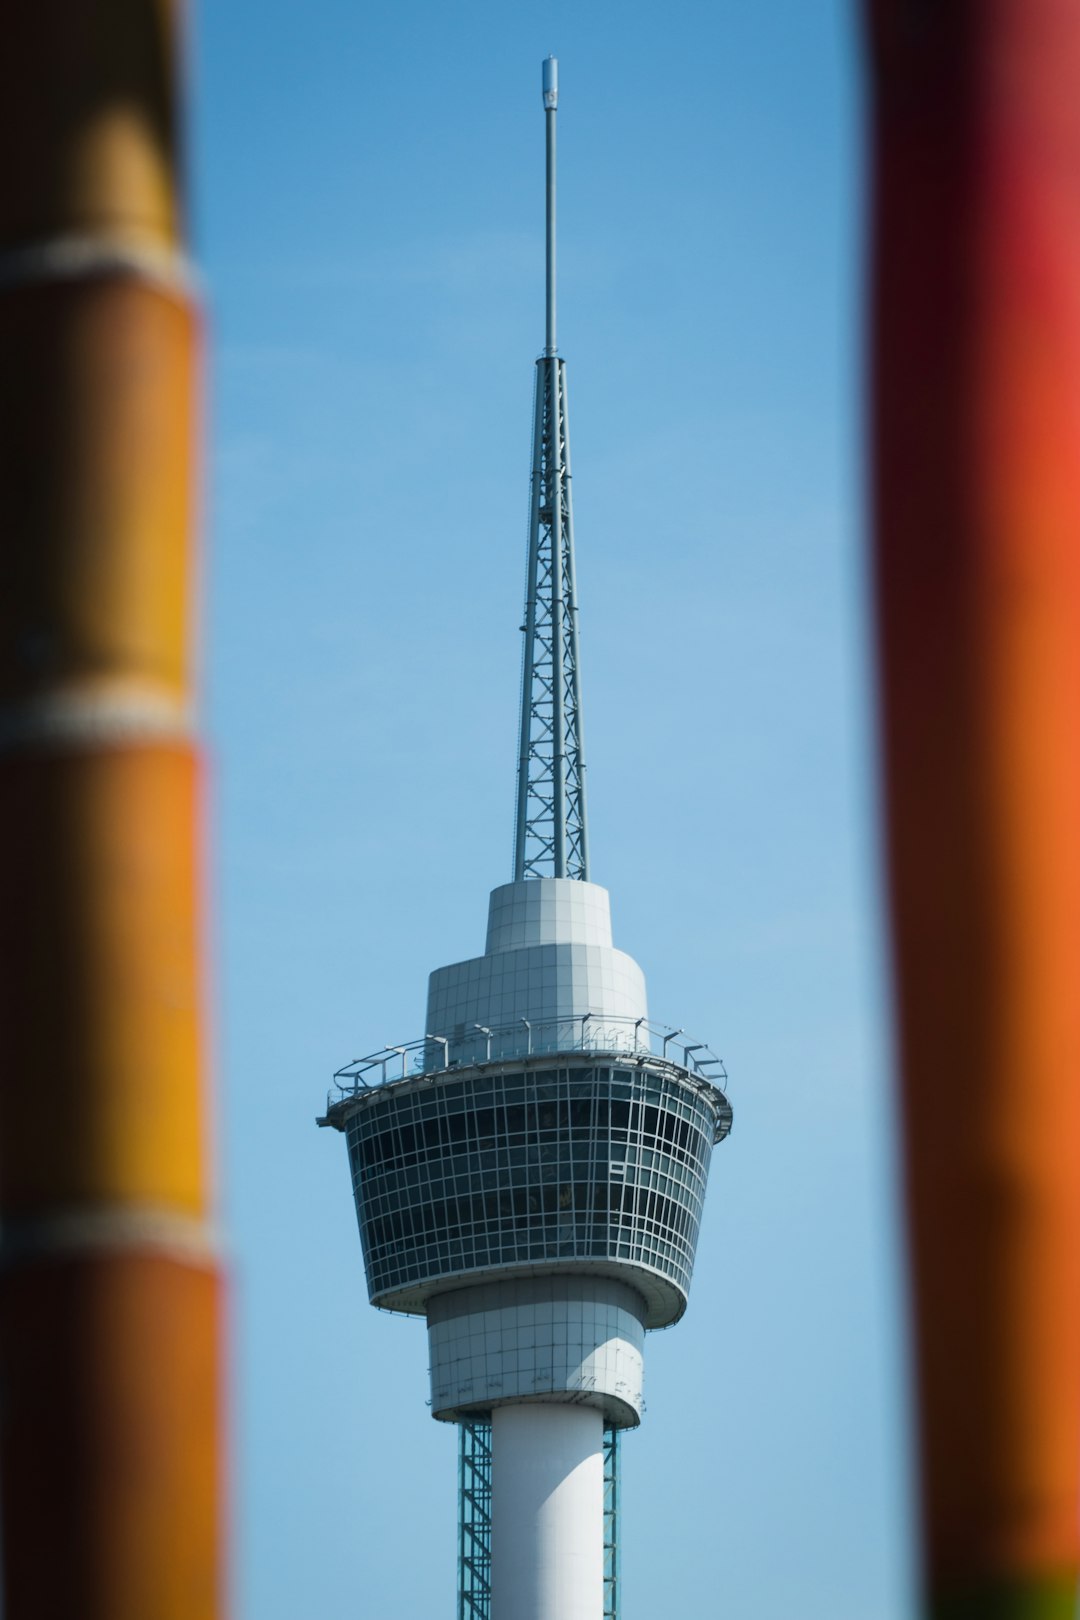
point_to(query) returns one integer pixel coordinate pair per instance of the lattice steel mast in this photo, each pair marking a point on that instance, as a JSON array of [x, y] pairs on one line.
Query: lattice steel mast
[[552, 830]]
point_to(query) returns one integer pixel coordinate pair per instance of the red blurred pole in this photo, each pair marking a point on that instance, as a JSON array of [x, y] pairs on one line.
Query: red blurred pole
[[976, 440], [110, 1298]]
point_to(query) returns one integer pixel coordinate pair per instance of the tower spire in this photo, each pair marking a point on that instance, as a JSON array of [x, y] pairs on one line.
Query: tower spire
[[551, 828]]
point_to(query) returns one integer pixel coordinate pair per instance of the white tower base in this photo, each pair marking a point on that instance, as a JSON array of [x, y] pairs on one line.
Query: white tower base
[[547, 1512]]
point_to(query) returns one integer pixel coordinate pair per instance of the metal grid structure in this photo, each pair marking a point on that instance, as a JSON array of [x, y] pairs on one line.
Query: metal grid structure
[[612, 1491], [497, 1168], [474, 1520], [552, 832]]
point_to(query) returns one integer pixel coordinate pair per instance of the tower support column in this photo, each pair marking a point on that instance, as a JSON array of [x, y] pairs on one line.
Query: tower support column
[[547, 1534]]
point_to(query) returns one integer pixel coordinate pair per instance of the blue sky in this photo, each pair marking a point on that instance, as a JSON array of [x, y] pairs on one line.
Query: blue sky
[[368, 217]]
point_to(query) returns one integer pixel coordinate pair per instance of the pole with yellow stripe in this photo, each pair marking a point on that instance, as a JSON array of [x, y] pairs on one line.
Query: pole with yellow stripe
[[110, 1299]]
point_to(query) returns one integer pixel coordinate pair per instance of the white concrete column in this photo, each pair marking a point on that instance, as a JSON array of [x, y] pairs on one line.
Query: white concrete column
[[547, 1512]]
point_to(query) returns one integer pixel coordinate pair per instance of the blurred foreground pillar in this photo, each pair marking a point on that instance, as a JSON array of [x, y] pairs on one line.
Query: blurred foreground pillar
[[976, 443], [109, 1290]]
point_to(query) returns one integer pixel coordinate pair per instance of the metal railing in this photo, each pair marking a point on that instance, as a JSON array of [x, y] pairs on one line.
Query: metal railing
[[615, 1037]]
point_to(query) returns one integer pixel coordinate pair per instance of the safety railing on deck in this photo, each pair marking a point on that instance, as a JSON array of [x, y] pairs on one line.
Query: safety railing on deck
[[615, 1037]]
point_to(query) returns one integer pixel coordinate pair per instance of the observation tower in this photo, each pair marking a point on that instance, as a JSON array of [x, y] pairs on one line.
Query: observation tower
[[529, 1172]]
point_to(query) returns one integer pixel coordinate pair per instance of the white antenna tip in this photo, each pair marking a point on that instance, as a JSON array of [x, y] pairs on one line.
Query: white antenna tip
[[551, 83]]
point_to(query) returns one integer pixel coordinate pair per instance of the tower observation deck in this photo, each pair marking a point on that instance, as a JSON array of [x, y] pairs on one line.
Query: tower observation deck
[[529, 1172]]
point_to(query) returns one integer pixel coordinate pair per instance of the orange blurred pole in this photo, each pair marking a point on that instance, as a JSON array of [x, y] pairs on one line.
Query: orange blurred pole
[[976, 314], [110, 1298]]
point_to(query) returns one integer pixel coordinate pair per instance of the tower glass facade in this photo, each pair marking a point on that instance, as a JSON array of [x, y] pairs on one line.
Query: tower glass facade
[[509, 1166]]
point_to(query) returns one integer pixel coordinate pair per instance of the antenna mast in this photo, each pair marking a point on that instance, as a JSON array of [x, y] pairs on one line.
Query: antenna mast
[[551, 829]]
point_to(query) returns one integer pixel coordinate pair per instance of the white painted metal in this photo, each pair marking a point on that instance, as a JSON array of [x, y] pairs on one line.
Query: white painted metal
[[579, 1339], [549, 957], [547, 1533]]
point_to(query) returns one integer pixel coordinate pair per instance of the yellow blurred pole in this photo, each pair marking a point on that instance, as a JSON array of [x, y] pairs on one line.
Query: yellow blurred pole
[[110, 1300]]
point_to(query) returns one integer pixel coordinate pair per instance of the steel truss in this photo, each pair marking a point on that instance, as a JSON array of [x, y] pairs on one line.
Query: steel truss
[[612, 1489], [552, 832], [474, 1521]]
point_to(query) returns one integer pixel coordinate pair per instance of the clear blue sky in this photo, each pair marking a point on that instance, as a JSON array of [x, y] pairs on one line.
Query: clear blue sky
[[368, 215]]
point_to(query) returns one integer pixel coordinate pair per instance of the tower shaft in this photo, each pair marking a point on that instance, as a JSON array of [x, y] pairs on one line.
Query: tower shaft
[[548, 1512]]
